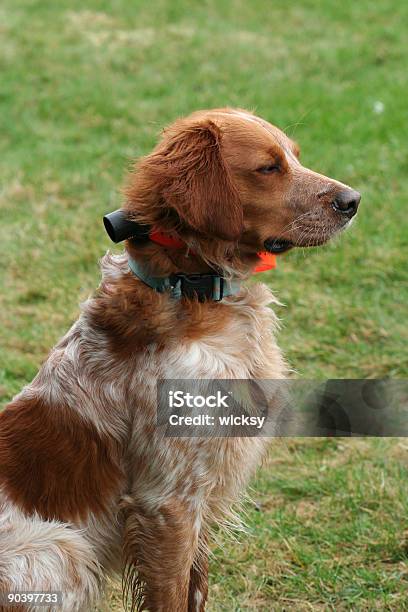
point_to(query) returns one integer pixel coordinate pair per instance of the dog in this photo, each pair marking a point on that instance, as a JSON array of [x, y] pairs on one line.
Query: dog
[[88, 485]]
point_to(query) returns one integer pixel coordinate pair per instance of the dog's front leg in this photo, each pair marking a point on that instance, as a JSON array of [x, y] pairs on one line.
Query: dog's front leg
[[198, 587], [160, 547]]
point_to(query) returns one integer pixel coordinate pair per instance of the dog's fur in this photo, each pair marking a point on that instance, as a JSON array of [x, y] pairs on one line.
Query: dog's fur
[[88, 485]]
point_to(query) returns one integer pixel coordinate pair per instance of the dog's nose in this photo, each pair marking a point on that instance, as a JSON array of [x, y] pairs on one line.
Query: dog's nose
[[346, 202]]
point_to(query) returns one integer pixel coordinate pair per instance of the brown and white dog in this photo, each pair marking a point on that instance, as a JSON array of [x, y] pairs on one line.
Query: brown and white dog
[[88, 485]]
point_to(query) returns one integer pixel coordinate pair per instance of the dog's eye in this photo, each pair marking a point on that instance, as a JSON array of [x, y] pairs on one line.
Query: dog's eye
[[269, 169]]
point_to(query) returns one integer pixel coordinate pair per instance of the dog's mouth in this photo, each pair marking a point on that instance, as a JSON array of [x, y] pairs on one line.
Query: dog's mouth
[[281, 245], [277, 245]]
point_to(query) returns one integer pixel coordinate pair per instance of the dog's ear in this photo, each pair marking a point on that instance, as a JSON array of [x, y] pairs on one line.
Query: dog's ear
[[189, 175]]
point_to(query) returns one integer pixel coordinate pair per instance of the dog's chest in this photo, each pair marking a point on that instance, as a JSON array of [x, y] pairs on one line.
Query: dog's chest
[[243, 347]]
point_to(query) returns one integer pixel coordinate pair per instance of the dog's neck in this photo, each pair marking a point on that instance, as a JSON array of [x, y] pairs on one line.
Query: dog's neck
[[161, 261], [167, 262], [131, 315]]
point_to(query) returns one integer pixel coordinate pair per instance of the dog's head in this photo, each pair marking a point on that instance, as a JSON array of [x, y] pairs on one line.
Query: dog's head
[[230, 176]]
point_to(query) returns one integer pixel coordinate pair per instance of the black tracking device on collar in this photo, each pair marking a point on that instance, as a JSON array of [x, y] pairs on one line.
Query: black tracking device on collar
[[119, 227]]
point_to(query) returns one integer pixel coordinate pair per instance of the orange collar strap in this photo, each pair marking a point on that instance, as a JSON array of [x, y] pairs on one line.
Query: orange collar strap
[[267, 262]]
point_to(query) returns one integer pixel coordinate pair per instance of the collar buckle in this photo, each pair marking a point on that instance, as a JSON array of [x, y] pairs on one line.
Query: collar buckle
[[200, 286]]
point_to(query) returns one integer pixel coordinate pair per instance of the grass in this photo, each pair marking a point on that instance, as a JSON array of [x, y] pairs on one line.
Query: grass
[[85, 88]]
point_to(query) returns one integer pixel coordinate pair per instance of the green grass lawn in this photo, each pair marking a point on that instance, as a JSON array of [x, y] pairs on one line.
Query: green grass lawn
[[85, 87]]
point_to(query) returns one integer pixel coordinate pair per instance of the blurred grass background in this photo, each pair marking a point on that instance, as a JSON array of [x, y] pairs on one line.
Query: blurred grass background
[[85, 88]]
